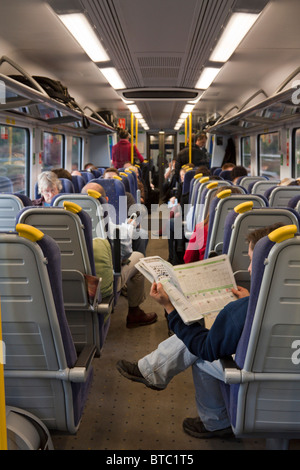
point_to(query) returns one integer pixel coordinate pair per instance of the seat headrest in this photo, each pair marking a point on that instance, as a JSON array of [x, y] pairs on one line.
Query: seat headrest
[[29, 232], [283, 233]]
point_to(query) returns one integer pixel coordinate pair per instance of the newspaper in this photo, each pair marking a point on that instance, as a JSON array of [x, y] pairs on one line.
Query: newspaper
[[197, 290]]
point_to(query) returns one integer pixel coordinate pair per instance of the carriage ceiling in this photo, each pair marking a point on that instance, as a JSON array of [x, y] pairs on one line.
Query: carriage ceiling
[[159, 48]]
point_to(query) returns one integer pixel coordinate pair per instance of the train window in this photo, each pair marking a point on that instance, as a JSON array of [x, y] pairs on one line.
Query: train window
[[14, 153], [296, 150], [53, 145], [246, 153], [269, 155], [76, 153]]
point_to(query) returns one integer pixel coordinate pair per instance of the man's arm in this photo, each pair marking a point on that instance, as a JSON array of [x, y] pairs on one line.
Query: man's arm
[[220, 341]]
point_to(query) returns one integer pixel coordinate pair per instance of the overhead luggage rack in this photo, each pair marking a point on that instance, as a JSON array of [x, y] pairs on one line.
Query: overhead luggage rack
[[281, 107], [34, 102]]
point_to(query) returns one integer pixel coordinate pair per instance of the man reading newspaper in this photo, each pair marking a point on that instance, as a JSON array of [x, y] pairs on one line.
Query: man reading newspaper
[[196, 346]]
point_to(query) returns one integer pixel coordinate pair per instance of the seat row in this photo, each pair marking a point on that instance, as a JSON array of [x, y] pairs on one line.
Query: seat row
[[54, 318], [202, 191]]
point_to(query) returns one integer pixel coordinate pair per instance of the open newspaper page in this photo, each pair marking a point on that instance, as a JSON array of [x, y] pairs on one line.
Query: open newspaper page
[[197, 290]]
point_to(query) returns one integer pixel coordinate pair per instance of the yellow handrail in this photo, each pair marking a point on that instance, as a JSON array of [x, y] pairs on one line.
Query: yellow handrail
[[132, 132]]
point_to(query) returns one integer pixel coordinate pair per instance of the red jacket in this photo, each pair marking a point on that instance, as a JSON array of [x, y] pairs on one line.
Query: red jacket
[[196, 248], [121, 153]]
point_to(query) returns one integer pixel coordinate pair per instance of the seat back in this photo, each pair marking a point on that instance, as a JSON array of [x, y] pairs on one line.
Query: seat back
[[73, 234], [67, 230], [209, 194], [294, 201], [245, 181], [261, 186], [87, 175], [240, 227], [78, 183], [281, 195], [132, 179], [187, 180], [219, 209], [117, 200], [92, 205], [40, 353], [10, 206], [198, 207], [266, 403], [6, 185]]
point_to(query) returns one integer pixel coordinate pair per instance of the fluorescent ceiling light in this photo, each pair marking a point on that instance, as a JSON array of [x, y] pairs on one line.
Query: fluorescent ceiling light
[[208, 75], [184, 115], [188, 108], [236, 29], [113, 77], [133, 108], [83, 32]]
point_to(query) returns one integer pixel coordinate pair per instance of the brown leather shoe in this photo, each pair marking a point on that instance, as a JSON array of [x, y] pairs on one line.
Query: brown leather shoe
[[137, 317]]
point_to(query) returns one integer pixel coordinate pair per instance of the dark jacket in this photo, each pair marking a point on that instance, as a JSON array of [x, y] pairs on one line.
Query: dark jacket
[[200, 157], [223, 337]]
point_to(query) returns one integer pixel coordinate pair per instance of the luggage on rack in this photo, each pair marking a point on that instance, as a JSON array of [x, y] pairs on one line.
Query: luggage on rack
[[54, 89], [107, 116]]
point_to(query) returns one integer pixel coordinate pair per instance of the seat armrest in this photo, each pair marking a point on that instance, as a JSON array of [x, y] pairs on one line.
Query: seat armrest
[[80, 371], [116, 251], [232, 373]]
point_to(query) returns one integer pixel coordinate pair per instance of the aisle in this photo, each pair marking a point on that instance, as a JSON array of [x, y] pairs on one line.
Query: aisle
[[121, 414]]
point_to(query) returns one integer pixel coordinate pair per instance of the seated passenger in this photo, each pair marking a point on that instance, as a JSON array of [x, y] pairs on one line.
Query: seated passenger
[[140, 185], [289, 182], [110, 173], [194, 345], [129, 274], [197, 244], [49, 185], [63, 173], [237, 172]]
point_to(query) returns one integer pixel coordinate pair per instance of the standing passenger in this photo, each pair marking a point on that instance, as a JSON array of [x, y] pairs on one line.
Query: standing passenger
[[200, 157], [121, 152]]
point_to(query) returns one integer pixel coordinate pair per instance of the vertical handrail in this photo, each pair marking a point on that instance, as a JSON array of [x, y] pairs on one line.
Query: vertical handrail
[[132, 132]]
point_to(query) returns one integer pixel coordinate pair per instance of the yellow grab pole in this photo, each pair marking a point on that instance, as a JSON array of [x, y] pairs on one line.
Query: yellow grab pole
[[185, 132], [136, 131], [132, 118], [3, 430], [190, 138]]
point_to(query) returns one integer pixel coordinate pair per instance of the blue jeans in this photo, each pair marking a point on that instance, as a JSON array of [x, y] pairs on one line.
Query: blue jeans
[[172, 357]]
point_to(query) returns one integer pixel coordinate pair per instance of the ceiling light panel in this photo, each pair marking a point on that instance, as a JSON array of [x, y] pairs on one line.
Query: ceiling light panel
[[85, 35], [236, 29]]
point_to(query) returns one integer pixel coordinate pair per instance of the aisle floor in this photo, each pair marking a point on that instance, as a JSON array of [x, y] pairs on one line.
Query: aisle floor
[[124, 415]]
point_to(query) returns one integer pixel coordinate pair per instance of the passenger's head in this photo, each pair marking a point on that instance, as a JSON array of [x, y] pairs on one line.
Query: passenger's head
[[94, 187], [62, 173], [49, 185], [109, 173], [254, 236], [90, 167], [237, 172], [123, 134], [200, 139], [203, 169], [228, 166]]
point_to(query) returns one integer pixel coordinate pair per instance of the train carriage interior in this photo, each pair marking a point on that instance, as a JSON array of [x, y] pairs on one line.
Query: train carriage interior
[[78, 78]]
